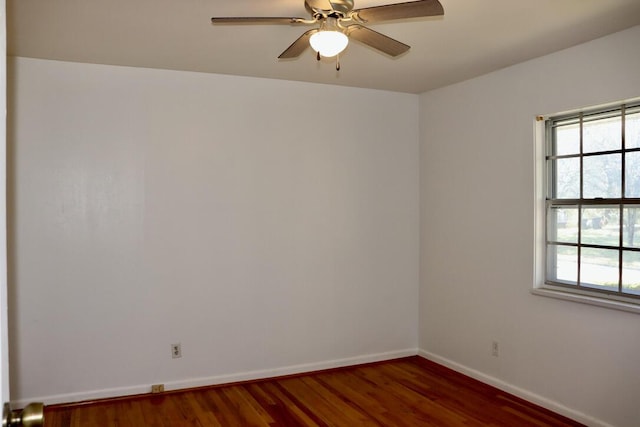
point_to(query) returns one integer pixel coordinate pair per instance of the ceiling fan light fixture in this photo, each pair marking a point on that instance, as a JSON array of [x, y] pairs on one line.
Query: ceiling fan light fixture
[[329, 43], [339, 21]]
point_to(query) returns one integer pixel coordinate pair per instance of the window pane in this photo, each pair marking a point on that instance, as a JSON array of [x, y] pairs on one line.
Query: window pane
[[599, 268], [602, 135], [567, 178], [602, 176], [631, 222], [632, 178], [632, 131], [593, 243], [601, 225], [567, 140], [562, 224], [562, 264], [631, 272]]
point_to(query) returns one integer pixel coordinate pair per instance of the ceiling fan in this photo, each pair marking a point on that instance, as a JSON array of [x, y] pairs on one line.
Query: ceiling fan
[[338, 21]]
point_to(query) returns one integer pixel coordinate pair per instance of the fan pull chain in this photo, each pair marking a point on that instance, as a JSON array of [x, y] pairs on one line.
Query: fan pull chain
[[337, 61]]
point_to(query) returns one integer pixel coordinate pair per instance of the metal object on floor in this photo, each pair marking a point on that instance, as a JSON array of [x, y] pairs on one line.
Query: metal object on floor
[[31, 416]]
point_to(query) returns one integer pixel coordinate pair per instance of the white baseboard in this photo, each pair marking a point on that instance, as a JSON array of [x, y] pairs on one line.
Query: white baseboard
[[217, 379], [516, 391]]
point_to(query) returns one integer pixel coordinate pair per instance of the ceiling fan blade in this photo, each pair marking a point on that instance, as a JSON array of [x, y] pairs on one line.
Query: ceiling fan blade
[[376, 40], [298, 46], [255, 20], [412, 9]]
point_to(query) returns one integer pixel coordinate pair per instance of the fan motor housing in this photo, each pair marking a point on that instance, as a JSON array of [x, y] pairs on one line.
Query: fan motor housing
[[339, 7]]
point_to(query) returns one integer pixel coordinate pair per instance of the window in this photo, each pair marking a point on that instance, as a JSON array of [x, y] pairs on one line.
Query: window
[[592, 203]]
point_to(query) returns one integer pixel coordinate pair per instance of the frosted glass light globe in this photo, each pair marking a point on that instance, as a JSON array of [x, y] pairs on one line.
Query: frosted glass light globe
[[329, 43]]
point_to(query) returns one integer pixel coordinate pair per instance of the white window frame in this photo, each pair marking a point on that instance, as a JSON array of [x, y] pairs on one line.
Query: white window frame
[[540, 286]]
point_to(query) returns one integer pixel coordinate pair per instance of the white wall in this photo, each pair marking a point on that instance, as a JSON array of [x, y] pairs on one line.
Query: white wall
[[268, 226], [477, 215]]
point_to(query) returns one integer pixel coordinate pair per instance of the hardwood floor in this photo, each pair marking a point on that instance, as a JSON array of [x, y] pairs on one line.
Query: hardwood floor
[[403, 392]]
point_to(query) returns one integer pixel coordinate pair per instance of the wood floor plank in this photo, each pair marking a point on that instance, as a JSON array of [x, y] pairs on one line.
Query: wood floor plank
[[363, 394], [351, 414], [260, 413], [295, 413], [400, 393], [244, 409], [201, 407], [447, 386], [132, 413], [413, 404], [226, 415], [309, 399]]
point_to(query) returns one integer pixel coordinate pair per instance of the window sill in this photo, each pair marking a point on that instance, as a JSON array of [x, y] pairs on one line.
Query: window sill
[[586, 299]]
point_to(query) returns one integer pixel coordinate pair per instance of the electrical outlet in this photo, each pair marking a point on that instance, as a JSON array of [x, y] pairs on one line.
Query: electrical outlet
[[176, 351], [157, 388], [494, 348]]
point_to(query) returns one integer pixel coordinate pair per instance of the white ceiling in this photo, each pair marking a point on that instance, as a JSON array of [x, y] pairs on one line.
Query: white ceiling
[[474, 37]]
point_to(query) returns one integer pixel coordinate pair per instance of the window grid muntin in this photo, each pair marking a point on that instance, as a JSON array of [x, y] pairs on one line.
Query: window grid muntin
[[580, 203]]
